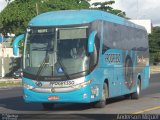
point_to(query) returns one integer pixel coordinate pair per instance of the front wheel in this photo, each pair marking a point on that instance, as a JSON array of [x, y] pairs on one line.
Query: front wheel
[[48, 106], [102, 102], [138, 90]]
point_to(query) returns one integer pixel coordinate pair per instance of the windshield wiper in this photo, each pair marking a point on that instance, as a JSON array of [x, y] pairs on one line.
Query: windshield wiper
[[43, 64]]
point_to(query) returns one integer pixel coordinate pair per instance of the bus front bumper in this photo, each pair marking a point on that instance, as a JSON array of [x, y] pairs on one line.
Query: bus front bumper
[[82, 95]]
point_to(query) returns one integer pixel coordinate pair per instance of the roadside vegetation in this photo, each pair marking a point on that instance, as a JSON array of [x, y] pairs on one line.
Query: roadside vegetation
[[10, 83], [154, 43]]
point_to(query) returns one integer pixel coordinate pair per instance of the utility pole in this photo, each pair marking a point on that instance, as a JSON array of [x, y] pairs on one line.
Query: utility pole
[[37, 8], [137, 9], [2, 58]]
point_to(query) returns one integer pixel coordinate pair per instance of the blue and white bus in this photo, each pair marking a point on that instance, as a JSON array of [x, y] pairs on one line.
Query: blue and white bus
[[83, 56]]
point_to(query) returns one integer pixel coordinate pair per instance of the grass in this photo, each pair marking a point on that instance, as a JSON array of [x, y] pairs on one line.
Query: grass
[[10, 83]]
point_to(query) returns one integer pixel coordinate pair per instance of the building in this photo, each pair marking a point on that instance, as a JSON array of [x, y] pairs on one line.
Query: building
[[8, 64]]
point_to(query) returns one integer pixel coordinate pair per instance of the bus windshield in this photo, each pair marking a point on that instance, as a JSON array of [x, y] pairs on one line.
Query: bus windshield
[[46, 49]]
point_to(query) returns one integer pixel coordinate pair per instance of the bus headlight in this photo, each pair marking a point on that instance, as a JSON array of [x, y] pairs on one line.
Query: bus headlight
[[29, 87], [81, 85]]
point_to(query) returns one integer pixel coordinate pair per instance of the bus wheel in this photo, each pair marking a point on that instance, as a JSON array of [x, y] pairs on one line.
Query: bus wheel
[[138, 90], [102, 102], [47, 106], [128, 96]]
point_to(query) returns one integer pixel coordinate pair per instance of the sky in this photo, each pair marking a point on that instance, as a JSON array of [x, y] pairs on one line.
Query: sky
[[2, 4], [135, 9], [139, 9]]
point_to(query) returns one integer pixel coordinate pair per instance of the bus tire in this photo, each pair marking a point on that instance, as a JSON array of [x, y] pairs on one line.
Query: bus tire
[[102, 102], [47, 106], [127, 96], [136, 94]]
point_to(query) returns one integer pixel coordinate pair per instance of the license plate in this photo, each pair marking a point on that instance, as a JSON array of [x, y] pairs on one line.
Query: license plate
[[53, 98]]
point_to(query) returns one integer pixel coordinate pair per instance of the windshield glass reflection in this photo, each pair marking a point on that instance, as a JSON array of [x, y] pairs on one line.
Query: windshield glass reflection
[[66, 44]]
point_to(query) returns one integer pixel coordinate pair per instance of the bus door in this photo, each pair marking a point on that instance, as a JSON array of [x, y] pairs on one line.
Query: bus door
[[118, 79], [114, 71]]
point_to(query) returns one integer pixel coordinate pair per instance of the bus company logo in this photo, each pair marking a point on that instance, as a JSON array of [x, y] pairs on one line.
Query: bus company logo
[[39, 84], [113, 58]]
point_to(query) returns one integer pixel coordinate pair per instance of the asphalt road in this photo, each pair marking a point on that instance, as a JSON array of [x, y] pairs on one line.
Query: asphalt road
[[11, 101]]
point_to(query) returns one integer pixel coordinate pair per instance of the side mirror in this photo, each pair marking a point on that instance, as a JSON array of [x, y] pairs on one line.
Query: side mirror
[[91, 41], [15, 45]]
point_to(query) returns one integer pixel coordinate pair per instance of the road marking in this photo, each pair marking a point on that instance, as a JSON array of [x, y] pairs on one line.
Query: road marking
[[147, 110]]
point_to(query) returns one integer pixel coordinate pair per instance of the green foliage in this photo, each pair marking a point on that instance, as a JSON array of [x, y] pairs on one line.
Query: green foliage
[[157, 57], [105, 6], [154, 43], [15, 17], [17, 14]]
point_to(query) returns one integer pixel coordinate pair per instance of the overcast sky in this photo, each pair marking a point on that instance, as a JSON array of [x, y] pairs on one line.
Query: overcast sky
[[141, 9], [147, 9], [2, 4]]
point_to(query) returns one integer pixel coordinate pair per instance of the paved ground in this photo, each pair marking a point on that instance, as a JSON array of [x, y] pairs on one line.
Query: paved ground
[[11, 102]]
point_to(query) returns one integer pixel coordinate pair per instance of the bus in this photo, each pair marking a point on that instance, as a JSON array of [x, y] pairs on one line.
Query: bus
[[82, 56]]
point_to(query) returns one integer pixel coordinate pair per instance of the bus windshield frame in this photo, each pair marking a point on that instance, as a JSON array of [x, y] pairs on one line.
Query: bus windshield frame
[[48, 45]]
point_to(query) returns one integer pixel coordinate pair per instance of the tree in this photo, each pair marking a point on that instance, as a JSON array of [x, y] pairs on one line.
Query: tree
[[106, 6], [8, 1], [17, 14], [15, 17], [154, 43]]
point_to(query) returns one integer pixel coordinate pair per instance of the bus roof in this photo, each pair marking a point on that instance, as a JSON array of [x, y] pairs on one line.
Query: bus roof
[[73, 17]]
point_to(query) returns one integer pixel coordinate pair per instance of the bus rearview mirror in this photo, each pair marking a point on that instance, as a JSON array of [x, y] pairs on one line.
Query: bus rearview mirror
[[91, 41], [15, 45]]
